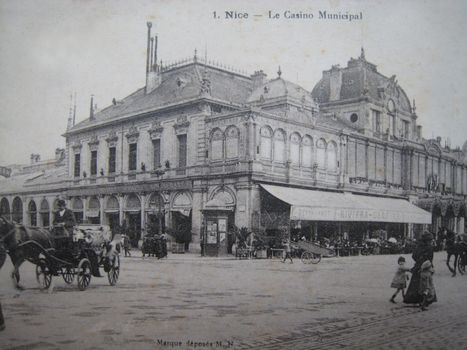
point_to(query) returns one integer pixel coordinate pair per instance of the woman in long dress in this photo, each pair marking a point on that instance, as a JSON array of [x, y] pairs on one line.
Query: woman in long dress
[[423, 252]]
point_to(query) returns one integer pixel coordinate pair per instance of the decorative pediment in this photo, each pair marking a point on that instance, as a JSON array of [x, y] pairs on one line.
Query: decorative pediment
[[93, 143], [181, 125], [432, 148], [112, 139], [155, 132], [77, 147], [133, 134]]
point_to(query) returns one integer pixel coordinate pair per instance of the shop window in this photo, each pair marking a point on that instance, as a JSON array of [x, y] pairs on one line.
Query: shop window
[[307, 152], [266, 142], [132, 157], [217, 145], [279, 146], [295, 141], [231, 142], [321, 153]]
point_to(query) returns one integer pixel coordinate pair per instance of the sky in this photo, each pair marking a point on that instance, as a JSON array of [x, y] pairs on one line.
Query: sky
[[51, 49]]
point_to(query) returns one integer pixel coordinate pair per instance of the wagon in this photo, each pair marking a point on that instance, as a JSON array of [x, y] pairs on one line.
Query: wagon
[[80, 257], [310, 252]]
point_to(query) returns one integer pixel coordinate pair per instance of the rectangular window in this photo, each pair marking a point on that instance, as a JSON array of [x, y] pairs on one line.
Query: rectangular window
[[156, 145], [132, 157], [376, 121], [77, 164], [112, 159], [182, 151], [406, 129], [93, 163]]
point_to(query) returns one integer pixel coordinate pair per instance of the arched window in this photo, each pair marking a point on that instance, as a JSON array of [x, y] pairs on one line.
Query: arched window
[[5, 208], [266, 142], [45, 212], [332, 156], [217, 145], [132, 203], [307, 151], [231, 142], [321, 153], [93, 212], [279, 146], [32, 210], [17, 211], [112, 204], [77, 207], [295, 141]]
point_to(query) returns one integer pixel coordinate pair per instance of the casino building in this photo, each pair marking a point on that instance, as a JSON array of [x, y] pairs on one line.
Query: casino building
[[205, 146]]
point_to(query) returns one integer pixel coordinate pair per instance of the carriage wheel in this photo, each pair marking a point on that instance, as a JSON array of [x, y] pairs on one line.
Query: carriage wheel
[[84, 274], [43, 274], [306, 257], [114, 271], [461, 264], [68, 275], [315, 258]]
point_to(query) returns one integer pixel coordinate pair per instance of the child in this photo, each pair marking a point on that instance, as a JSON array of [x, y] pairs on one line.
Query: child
[[400, 279], [287, 250], [427, 288]]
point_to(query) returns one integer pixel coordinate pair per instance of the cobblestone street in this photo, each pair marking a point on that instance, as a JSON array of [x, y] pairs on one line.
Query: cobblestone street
[[188, 302]]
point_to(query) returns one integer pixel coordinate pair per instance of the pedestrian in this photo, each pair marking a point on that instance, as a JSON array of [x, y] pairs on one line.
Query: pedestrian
[[427, 288], [287, 252], [400, 279], [2, 320], [423, 252], [126, 245]]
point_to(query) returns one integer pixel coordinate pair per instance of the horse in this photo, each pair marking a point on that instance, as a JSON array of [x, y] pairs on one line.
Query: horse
[[453, 248], [12, 239]]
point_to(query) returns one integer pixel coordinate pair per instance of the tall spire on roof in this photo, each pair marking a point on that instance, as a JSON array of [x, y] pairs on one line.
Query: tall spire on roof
[[70, 114], [279, 72], [91, 108], [195, 57], [74, 111], [362, 53]]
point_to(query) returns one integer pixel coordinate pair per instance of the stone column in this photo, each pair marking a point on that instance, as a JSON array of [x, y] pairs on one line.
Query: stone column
[[461, 225], [26, 219], [101, 211], [85, 208], [196, 218], [143, 215], [120, 208]]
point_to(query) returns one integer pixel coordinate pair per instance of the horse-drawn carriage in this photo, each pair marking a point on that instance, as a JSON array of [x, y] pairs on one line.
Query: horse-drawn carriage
[[310, 252], [57, 252]]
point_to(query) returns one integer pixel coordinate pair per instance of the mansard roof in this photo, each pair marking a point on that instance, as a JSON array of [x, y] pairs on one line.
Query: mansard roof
[[361, 79], [179, 84]]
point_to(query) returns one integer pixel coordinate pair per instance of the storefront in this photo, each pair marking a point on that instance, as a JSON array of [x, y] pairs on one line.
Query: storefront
[[345, 215], [112, 211]]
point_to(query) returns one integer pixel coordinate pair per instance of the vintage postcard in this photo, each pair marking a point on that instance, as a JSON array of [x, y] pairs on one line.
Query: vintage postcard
[[233, 174]]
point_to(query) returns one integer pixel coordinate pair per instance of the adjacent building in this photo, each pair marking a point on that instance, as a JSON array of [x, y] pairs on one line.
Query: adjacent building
[[206, 146]]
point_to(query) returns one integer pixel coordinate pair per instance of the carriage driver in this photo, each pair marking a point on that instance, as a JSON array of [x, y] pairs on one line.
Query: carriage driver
[[64, 217]]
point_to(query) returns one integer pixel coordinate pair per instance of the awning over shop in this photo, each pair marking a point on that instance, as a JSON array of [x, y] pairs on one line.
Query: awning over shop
[[334, 206]]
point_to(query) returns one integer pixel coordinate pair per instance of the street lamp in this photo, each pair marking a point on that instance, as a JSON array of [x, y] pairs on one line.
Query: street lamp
[[159, 172]]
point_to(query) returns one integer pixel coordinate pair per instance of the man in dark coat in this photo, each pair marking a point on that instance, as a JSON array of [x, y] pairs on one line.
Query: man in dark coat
[[64, 216], [422, 253]]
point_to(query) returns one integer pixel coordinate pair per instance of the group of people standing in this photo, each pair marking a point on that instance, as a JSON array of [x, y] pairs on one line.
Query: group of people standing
[[421, 289]]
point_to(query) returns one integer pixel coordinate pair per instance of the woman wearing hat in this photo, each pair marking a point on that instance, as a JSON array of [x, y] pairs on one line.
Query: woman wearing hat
[[423, 252]]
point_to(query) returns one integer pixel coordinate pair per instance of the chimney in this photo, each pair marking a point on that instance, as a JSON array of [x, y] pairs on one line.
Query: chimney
[[149, 24], [153, 75], [258, 78], [91, 108], [335, 83]]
